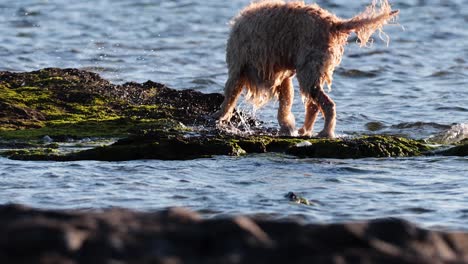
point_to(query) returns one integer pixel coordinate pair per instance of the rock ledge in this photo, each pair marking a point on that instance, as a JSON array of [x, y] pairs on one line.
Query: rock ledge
[[177, 235]]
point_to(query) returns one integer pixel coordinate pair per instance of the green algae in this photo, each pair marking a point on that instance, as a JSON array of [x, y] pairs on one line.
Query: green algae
[[62, 129], [24, 96], [31, 153], [93, 128], [47, 112]]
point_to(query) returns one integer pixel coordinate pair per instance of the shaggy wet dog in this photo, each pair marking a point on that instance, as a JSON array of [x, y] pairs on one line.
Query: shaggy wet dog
[[271, 41]]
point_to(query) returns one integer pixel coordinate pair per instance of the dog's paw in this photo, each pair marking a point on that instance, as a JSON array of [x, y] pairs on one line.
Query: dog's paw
[[288, 132], [326, 134], [303, 133], [222, 117]]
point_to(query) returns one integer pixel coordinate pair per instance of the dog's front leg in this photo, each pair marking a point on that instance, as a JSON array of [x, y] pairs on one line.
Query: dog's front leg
[[232, 91], [285, 116]]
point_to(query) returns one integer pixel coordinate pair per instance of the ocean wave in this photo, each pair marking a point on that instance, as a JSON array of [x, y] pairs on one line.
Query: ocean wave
[[452, 108], [416, 130], [406, 125], [453, 135], [355, 73]]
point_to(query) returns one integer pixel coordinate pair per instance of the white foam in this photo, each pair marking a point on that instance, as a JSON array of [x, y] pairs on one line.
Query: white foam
[[454, 134]]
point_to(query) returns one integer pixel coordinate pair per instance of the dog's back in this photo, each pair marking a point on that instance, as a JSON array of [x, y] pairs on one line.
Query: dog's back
[[270, 36]]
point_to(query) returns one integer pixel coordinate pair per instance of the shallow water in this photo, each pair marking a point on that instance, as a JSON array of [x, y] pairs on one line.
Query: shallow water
[[417, 86]]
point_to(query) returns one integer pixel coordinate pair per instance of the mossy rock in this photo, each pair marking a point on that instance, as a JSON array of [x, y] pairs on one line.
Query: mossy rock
[[363, 147], [175, 145], [32, 154], [154, 121], [71, 102], [163, 146], [76, 103]]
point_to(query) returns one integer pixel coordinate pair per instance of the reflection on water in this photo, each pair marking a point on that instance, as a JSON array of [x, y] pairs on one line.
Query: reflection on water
[[416, 86]]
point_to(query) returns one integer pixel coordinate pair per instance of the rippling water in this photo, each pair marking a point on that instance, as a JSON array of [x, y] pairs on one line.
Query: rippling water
[[417, 86]]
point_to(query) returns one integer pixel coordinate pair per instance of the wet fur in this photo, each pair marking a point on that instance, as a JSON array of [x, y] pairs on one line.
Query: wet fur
[[271, 41]]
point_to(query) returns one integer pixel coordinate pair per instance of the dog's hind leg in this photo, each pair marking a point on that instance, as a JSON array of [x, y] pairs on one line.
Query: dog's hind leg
[[328, 109], [309, 81], [232, 90], [285, 117], [311, 113]]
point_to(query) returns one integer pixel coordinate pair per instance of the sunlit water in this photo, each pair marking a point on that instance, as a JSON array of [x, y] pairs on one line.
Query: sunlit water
[[417, 86]]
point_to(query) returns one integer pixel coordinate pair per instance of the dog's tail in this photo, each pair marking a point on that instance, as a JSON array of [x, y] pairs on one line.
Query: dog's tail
[[366, 23]]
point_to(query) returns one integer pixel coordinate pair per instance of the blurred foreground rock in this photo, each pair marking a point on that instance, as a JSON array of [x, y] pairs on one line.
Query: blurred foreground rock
[[181, 236]]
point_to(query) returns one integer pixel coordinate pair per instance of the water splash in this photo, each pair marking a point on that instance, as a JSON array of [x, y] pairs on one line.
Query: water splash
[[455, 134], [238, 125], [243, 123]]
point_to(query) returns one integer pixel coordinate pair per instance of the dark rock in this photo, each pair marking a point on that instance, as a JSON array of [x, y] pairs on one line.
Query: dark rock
[[176, 145], [367, 146], [297, 199], [374, 126], [461, 150], [180, 236]]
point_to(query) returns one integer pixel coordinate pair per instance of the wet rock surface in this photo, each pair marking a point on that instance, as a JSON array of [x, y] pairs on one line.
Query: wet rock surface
[[180, 236], [151, 120], [51, 96], [165, 145]]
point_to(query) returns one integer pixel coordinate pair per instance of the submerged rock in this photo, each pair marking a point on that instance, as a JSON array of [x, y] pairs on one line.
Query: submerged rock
[[461, 150], [177, 235]]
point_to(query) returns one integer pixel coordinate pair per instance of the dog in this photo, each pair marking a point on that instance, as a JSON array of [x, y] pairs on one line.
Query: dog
[[272, 41]]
